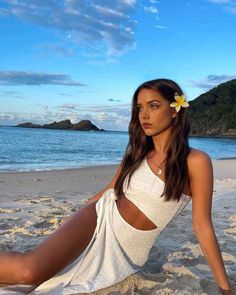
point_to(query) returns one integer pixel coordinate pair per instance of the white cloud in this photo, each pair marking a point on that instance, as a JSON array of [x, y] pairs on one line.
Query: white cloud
[[66, 94], [129, 2], [112, 99], [102, 117], [151, 9], [3, 11], [161, 27], [231, 10], [32, 78], [188, 4], [220, 1], [69, 106], [228, 5], [11, 94], [211, 81], [106, 25], [58, 48]]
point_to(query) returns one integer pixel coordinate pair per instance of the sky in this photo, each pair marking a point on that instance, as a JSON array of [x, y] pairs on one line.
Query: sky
[[81, 59]]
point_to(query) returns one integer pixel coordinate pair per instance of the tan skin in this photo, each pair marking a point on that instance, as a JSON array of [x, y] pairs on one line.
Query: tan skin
[[43, 262]]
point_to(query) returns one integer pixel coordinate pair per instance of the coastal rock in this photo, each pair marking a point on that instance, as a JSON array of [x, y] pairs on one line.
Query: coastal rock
[[28, 125], [83, 125], [66, 124]]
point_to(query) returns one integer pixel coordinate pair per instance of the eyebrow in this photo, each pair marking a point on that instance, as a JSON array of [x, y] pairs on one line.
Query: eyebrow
[[150, 101]]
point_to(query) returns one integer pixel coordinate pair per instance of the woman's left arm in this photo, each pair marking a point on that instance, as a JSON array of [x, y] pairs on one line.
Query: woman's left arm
[[201, 185]]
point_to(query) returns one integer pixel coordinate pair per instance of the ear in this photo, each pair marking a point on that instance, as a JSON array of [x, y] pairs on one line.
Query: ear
[[174, 112]]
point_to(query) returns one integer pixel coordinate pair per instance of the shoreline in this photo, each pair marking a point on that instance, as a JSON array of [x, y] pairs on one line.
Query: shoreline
[[102, 166], [59, 169], [227, 158], [224, 136]]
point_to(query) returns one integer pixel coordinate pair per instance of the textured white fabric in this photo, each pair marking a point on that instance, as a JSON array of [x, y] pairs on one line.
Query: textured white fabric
[[143, 191], [116, 249]]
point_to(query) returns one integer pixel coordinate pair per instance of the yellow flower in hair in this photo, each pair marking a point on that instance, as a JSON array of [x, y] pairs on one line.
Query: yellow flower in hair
[[180, 102]]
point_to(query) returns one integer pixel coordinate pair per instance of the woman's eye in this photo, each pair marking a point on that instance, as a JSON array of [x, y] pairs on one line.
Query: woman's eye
[[154, 106]]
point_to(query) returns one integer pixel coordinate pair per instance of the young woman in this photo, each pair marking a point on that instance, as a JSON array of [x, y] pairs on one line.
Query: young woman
[[110, 237]]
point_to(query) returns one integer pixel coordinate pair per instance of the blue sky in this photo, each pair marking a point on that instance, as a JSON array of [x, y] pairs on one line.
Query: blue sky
[[80, 59]]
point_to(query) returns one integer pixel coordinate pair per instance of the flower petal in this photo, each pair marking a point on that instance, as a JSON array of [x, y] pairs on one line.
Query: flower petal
[[185, 104], [173, 104], [177, 108], [177, 97], [182, 101]]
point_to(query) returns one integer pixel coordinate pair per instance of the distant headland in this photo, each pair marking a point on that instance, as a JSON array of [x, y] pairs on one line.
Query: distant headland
[[213, 114], [83, 125]]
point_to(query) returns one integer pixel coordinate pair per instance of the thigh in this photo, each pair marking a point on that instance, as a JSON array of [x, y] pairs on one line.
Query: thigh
[[64, 245]]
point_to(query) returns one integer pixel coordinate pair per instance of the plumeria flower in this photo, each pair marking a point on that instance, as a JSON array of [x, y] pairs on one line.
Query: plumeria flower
[[180, 102]]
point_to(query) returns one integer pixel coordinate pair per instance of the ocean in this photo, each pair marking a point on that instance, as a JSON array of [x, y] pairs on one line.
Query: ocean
[[27, 149]]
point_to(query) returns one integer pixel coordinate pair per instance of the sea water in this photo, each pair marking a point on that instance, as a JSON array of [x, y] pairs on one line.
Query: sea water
[[28, 149]]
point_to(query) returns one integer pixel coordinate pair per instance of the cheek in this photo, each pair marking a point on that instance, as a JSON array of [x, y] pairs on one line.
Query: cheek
[[162, 118]]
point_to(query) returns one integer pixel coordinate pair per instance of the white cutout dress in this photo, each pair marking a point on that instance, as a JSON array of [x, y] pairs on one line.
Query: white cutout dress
[[116, 249]]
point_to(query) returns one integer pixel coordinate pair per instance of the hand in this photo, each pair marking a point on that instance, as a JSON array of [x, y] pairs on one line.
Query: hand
[[230, 291]]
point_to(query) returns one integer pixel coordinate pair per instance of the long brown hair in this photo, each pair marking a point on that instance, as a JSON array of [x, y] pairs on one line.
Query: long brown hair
[[140, 144]]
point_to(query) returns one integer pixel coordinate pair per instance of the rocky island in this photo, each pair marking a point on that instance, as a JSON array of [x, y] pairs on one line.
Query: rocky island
[[84, 125], [213, 114]]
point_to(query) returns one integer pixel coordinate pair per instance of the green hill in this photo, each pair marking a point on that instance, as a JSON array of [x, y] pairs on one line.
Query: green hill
[[214, 112]]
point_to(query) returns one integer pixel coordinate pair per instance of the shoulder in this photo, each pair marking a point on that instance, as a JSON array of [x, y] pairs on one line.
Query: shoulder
[[198, 162], [196, 154], [197, 157]]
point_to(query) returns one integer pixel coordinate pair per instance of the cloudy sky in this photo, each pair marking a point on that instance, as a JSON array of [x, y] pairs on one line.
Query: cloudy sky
[[81, 59]]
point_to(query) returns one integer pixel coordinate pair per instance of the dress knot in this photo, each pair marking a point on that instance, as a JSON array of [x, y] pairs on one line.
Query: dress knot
[[113, 195]]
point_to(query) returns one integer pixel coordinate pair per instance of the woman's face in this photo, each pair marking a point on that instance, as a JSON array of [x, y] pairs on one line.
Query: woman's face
[[155, 113]]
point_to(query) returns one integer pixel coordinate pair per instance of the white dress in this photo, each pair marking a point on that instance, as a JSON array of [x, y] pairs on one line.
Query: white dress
[[116, 249]]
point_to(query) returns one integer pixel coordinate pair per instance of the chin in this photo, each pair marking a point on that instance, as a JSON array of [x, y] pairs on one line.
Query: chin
[[150, 132]]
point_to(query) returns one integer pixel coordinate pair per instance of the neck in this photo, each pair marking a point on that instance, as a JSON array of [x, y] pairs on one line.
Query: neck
[[161, 142]]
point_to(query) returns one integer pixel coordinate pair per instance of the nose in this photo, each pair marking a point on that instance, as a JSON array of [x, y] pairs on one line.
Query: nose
[[145, 114]]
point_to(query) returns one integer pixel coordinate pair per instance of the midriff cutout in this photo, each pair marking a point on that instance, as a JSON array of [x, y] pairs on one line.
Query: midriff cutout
[[133, 215]]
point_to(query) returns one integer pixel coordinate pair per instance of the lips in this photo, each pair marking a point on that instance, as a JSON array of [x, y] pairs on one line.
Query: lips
[[146, 125]]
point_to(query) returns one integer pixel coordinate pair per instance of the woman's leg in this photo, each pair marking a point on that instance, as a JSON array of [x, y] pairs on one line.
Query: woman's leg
[[54, 253]]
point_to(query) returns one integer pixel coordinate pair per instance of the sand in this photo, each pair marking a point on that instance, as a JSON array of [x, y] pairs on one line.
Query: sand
[[34, 204]]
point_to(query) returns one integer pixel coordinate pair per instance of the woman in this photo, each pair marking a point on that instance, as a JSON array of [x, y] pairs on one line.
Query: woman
[[110, 237]]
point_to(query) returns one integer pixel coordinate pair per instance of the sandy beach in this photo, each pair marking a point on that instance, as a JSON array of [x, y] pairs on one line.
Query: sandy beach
[[33, 204]]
